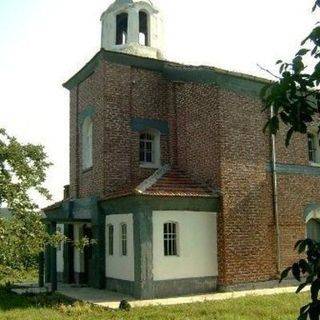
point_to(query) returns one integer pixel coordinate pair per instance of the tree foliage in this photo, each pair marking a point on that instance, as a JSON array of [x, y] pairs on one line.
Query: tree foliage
[[294, 99], [307, 272], [295, 96], [22, 171]]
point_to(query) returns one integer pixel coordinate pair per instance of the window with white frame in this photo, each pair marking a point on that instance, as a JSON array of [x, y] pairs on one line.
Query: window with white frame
[[146, 148], [87, 150], [124, 239], [170, 238], [313, 229], [314, 147], [149, 152], [110, 239]]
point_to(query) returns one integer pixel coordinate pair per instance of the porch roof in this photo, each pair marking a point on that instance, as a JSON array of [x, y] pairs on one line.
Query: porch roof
[[167, 182]]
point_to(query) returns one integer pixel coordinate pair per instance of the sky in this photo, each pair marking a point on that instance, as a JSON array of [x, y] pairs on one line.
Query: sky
[[44, 42]]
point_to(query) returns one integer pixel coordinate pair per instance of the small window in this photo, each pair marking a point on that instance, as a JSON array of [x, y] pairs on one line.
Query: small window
[[87, 149], [143, 29], [313, 229], [110, 238], [147, 148], [124, 239], [122, 28], [313, 146], [149, 152], [170, 239]]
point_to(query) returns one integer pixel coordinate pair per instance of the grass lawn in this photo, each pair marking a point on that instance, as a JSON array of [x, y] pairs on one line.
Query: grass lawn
[[55, 307]]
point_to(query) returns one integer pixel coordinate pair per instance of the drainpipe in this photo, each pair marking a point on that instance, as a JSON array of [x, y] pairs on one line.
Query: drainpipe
[[275, 197]]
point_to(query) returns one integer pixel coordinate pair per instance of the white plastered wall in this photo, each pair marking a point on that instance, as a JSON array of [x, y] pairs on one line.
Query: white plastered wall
[[60, 262], [118, 266], [197, 245]]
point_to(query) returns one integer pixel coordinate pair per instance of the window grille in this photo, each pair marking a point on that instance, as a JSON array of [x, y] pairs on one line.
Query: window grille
[[124, 239], [146, 148], [312, 147], [170, 239], [110, 237]]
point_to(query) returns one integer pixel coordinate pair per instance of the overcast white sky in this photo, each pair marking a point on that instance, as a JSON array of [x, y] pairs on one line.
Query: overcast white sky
[[44, 42]]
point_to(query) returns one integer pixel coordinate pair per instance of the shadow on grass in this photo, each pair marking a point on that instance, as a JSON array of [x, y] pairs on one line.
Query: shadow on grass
[[10, 300]]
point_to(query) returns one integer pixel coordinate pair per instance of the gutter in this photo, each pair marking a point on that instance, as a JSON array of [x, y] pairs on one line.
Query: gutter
[[275, 197]]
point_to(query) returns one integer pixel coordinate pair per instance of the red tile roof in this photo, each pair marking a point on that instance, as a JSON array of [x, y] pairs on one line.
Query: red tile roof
[[176, 183], [173, 183]]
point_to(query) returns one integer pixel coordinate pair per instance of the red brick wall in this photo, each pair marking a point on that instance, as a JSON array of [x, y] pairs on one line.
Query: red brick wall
[[295, 194], [118, 94], [88, 94], [296, 153], [249, 252], [198, 132]]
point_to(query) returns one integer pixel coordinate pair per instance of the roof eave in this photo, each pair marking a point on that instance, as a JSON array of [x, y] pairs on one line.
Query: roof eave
[[173, 71]]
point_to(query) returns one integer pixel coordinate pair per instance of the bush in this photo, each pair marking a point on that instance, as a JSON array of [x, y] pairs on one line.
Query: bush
[[125, 305]]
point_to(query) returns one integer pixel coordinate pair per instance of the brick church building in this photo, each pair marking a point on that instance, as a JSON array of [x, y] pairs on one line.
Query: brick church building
[[171, 173]]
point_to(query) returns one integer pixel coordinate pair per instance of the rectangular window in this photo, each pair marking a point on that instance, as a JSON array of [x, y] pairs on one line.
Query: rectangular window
[[312, 148], [170, 239], [124, 239], [110, 237], [146, 148]]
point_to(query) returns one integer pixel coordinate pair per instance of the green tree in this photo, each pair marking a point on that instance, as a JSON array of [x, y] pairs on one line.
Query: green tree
[[22, 172], [294, 96], [307, 272], [293, 99]]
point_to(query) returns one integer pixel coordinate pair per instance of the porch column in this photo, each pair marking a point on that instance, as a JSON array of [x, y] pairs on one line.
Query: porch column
[[47, 256], [53, 260], [41, 269], [143, 254], [98, 258], [68, 255], [78, 256]]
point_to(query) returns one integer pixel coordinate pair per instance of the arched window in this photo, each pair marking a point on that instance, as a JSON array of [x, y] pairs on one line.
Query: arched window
[[150, 148], [124, 239], [313, 148], [110, 239], [170, 238], [313, 229], [122, 28], [87, 143], [143, 29]]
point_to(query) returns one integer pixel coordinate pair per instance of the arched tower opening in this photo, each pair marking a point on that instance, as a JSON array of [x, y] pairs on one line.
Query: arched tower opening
[[143, 29], [121, 28]]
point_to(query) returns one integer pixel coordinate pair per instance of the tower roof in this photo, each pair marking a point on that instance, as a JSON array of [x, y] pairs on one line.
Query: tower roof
[[132, 1], [122, 3]]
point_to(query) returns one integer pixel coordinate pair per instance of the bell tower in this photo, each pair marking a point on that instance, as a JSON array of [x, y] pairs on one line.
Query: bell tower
[[133, 27]]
